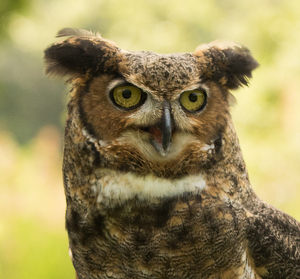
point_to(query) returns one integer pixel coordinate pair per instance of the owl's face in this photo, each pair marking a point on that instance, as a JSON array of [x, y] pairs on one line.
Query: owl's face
[[160, 111], [153, 109]]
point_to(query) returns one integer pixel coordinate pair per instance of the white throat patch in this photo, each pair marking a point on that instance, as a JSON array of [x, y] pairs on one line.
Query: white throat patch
[[114, 187]]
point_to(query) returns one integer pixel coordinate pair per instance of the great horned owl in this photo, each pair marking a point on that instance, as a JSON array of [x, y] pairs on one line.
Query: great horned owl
[[155, 182]]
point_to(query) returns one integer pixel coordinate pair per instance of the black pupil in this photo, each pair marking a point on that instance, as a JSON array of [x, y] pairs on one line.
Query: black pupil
[[193, 97], [126, 93]]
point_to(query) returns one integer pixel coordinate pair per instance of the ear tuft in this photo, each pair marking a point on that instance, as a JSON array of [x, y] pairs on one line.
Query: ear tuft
[[230, 65], [240, 66], [83, 53]]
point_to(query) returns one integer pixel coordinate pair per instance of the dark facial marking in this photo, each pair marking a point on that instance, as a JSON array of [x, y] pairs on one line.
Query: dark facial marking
[[82, 114], [218, 144]]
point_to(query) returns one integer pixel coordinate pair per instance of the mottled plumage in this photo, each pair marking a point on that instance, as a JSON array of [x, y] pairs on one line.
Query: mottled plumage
[[155, 181]]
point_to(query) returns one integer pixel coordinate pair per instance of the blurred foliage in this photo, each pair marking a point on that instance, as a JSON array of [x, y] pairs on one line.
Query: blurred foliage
[[33, 243], [7, 8]]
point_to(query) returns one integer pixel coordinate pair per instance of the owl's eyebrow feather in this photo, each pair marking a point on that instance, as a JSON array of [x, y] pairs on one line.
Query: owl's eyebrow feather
[[116, 82]]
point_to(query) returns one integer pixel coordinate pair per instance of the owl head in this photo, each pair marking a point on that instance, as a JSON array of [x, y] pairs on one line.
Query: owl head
[[143, 111]]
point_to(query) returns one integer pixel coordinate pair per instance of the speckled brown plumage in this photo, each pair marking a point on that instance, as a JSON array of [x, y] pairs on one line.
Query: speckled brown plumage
[[136, 209]]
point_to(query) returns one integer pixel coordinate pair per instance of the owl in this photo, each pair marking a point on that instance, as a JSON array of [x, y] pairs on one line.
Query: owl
[[155, 181]]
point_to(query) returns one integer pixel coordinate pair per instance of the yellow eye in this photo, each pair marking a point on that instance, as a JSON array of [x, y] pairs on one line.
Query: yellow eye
[[128, 96], [193, 100]]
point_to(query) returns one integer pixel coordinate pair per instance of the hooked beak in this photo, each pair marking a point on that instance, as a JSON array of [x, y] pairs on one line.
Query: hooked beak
[[162, 131], [166, 127]]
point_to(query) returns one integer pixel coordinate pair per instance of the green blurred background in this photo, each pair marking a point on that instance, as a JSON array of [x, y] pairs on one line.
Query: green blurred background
[[33, 242]]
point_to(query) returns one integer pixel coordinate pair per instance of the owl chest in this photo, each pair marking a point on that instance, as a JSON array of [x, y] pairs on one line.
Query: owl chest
[[177, 238]]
